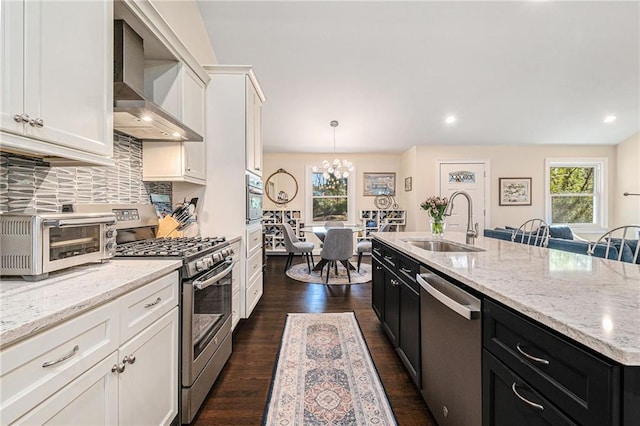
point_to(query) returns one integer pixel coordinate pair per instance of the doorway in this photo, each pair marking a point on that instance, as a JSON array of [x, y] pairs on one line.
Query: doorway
[[471, 177]]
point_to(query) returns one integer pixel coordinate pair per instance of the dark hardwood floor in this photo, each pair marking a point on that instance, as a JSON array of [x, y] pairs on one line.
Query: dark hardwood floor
[[239, 395]]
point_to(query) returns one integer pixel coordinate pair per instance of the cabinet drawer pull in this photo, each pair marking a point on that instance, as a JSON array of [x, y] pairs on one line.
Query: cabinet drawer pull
[[394, 283], [73, 351], [405, 270], [376, 251], [378, 268], [525, 400], [388, 257], [118, 368], [154, 303], [531, 357]]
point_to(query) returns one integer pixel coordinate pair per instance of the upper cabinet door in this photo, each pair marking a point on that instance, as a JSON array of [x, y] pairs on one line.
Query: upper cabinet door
[[68, 83], [253, 130], [193, 116], [57, 78], [11, 65]]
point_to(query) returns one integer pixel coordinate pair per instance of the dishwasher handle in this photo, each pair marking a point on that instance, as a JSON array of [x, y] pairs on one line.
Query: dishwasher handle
[[450, 295]]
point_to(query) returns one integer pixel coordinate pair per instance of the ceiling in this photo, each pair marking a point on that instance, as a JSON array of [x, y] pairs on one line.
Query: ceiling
[[534, 72]]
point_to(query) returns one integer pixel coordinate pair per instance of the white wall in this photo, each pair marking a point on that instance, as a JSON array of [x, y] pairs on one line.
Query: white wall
[[627, 176], [183, 16], [508, 161], [421, 164]]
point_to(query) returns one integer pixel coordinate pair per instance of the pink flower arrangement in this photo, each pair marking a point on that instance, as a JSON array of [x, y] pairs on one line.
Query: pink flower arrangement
[[435, 206]]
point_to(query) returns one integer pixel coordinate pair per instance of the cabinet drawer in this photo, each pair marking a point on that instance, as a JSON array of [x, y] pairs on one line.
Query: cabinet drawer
[[508, 400], [71, 348], [254, 266], [407, 270], [377, 249], [578, 382], [143, 306], [389, 258], [253, 293], [254, 241]]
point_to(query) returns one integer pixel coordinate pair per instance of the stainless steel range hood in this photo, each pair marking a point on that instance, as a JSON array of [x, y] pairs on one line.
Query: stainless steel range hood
[[133, 114]]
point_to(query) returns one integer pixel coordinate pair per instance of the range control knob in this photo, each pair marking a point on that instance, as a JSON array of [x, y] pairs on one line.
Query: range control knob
[[111, 233], [217, 257], [209, 262], [110, 246], [200, 265]]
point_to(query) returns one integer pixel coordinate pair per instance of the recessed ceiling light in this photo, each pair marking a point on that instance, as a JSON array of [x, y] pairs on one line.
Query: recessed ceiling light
[[146, 118], [450, 119], [610, 119], [176, 134]]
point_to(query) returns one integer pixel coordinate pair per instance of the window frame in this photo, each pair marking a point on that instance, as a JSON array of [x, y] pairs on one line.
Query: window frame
[[600, 185], [351, 196]]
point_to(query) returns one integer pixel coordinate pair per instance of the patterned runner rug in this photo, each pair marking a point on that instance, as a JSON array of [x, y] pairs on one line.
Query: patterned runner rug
[[325, 375]]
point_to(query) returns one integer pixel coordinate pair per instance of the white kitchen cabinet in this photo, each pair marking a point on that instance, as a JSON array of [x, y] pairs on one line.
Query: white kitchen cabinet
[[254, 129], [227, 121], [239, 87], [184, 95], [91, 399], [253, 290], [115, 364], [56, 80], [148, 386], [236, 279]]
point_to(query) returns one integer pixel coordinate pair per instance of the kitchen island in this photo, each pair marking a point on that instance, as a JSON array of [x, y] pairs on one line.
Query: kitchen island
[[589, 306]]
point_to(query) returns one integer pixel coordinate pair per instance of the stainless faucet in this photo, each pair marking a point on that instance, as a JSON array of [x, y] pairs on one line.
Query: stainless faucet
[[472, 230]]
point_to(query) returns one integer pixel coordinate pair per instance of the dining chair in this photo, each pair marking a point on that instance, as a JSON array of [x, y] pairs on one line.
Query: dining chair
[[627, 246], [365, 246], [330, 224], [534, 232], [294, 246], [338, 247]]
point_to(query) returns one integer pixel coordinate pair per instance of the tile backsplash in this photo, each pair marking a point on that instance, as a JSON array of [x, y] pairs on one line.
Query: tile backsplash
[[28, 184]]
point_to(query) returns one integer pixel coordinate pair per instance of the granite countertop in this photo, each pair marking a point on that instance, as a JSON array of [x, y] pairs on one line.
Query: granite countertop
[[589, 299], [28, 307]]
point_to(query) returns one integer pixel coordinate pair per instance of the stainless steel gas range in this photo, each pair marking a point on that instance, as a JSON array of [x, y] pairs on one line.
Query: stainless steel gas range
[[205, 331]]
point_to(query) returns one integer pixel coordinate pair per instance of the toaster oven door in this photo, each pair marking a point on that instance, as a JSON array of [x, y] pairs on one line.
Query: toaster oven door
[[73, 242]]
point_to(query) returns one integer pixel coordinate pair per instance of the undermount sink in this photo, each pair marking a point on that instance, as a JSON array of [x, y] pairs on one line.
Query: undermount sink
[[441, 245]]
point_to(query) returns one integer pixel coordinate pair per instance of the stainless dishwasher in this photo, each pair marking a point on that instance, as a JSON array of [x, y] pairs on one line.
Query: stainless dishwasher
[[451, 351]]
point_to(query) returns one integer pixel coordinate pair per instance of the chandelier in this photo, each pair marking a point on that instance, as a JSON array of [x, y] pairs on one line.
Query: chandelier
[[337, 169]]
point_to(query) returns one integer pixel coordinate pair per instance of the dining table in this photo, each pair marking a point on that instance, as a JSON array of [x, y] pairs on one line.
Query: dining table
[[320, 231]]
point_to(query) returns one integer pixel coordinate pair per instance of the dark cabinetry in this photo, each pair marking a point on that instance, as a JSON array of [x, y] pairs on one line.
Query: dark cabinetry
[[536, 375], [396, 302]]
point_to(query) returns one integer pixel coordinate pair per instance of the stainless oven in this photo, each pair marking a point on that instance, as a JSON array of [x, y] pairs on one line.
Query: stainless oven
[[254, 198], [33, 245], [206, 333]]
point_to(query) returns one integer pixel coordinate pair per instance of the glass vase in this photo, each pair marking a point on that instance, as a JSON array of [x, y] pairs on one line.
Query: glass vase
[[437, 227]]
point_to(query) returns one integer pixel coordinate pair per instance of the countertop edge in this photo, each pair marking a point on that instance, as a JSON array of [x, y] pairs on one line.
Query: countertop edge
[[619, 355], [46, 321]]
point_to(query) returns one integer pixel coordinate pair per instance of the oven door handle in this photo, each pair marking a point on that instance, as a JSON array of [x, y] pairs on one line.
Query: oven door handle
[[199, 284], [61, 223]]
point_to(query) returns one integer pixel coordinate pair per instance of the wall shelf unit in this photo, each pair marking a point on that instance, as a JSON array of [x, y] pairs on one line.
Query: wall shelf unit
[[372, 220], [273, 237]]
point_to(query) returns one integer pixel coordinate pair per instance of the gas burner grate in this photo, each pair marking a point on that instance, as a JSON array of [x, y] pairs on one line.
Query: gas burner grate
[[164, 247]]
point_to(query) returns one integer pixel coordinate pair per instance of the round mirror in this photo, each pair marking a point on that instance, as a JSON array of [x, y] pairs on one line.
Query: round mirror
[[281, 187]]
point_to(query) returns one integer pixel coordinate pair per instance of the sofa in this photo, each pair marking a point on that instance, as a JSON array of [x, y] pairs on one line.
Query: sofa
[[562, 238]]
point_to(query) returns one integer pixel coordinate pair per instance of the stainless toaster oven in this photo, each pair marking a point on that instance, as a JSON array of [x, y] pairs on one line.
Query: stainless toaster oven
[[32, 245]]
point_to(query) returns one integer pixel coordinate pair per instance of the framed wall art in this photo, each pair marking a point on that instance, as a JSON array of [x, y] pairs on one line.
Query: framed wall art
[[408, 184], [515, 191], [379, 184]]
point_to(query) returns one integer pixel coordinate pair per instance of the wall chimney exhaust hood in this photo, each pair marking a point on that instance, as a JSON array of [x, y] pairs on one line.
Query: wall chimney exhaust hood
[[133, 114]]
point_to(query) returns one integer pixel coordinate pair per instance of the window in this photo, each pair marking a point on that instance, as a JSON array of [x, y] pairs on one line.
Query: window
[[330, 199], [575, 192]]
